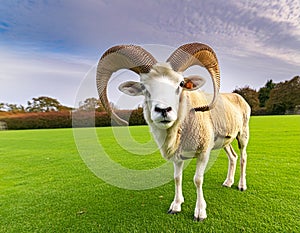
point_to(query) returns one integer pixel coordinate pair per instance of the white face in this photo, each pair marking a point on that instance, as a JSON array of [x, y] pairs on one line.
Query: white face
[[162, 97], [162, 94]]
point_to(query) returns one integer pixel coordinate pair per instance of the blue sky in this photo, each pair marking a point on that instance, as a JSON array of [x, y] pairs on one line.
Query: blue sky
[[50, 47]]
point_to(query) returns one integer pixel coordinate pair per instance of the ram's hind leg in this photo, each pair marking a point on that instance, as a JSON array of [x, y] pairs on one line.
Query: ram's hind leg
[[243, 142], [232, 158]]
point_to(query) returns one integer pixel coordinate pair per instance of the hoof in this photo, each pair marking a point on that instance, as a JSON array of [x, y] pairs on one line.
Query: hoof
[[170, 211], [227, 183], [242, 189], [198, 219]]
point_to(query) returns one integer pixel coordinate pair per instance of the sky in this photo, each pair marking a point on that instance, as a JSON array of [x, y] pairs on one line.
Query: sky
[[50, 48]]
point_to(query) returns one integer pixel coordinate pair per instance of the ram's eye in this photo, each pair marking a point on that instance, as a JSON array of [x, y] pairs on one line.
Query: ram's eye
[[145, 92], [181, 83]]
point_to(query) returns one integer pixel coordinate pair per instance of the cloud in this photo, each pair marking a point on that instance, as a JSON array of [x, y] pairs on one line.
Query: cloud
[[76, 25], [25, 75], [238, 28], [82, 26], [274, 27]]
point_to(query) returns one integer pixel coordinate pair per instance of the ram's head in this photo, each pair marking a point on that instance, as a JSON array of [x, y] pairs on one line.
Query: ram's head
[[160, 83]]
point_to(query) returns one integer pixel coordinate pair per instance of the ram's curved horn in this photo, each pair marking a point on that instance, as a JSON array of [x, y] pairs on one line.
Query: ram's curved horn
[[191, 54], [130, 57]]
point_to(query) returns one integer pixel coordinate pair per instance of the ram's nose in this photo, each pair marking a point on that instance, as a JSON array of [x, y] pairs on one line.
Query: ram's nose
[[163, 111]]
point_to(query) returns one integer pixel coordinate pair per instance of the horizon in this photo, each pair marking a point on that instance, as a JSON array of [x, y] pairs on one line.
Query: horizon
[[136, 104], [51, 48]]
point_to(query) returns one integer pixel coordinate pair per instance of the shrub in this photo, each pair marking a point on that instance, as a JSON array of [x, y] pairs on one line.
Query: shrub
[[67, 119], [39, 120]]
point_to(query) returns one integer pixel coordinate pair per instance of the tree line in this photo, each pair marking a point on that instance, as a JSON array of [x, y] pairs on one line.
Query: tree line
[[48, 104], [48, 113], [39, 104], [274, 98]]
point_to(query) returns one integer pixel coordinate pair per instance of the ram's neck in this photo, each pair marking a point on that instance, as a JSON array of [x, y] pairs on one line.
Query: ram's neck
[[169, 140]]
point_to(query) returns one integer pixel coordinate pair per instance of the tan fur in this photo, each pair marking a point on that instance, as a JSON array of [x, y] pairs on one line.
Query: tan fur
[[161, 70], [193, 131]]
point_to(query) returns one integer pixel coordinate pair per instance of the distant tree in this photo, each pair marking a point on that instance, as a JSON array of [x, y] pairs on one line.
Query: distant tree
[[43, 104], [264, 92], [91, 104], [250, 95], [21, 108], [284, 97], [64, 108], [14, 108], [2, 106]]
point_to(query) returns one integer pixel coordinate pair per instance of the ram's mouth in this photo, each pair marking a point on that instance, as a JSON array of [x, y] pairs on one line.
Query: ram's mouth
[[165, 122]]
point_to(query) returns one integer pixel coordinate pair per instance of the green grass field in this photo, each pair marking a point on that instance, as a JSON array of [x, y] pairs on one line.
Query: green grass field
[[46, 187]]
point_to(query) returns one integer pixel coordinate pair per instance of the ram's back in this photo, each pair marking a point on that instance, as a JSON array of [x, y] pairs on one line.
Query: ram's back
[[226, 120]]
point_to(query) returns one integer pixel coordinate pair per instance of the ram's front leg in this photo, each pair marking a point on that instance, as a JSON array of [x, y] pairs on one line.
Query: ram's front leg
[[200, 209], [178, 199]]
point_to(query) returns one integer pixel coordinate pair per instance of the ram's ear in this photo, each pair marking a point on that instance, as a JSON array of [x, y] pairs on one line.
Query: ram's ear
[[193, 82], [131, 88]]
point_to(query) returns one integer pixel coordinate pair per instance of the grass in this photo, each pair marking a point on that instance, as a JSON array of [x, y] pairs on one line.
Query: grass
[[46, 187]]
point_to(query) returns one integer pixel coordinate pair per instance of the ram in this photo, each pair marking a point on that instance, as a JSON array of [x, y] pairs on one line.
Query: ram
[[185, 123]]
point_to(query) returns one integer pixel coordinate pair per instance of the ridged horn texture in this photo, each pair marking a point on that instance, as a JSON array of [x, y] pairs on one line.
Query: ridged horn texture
[[130, 57], [191, 54]]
